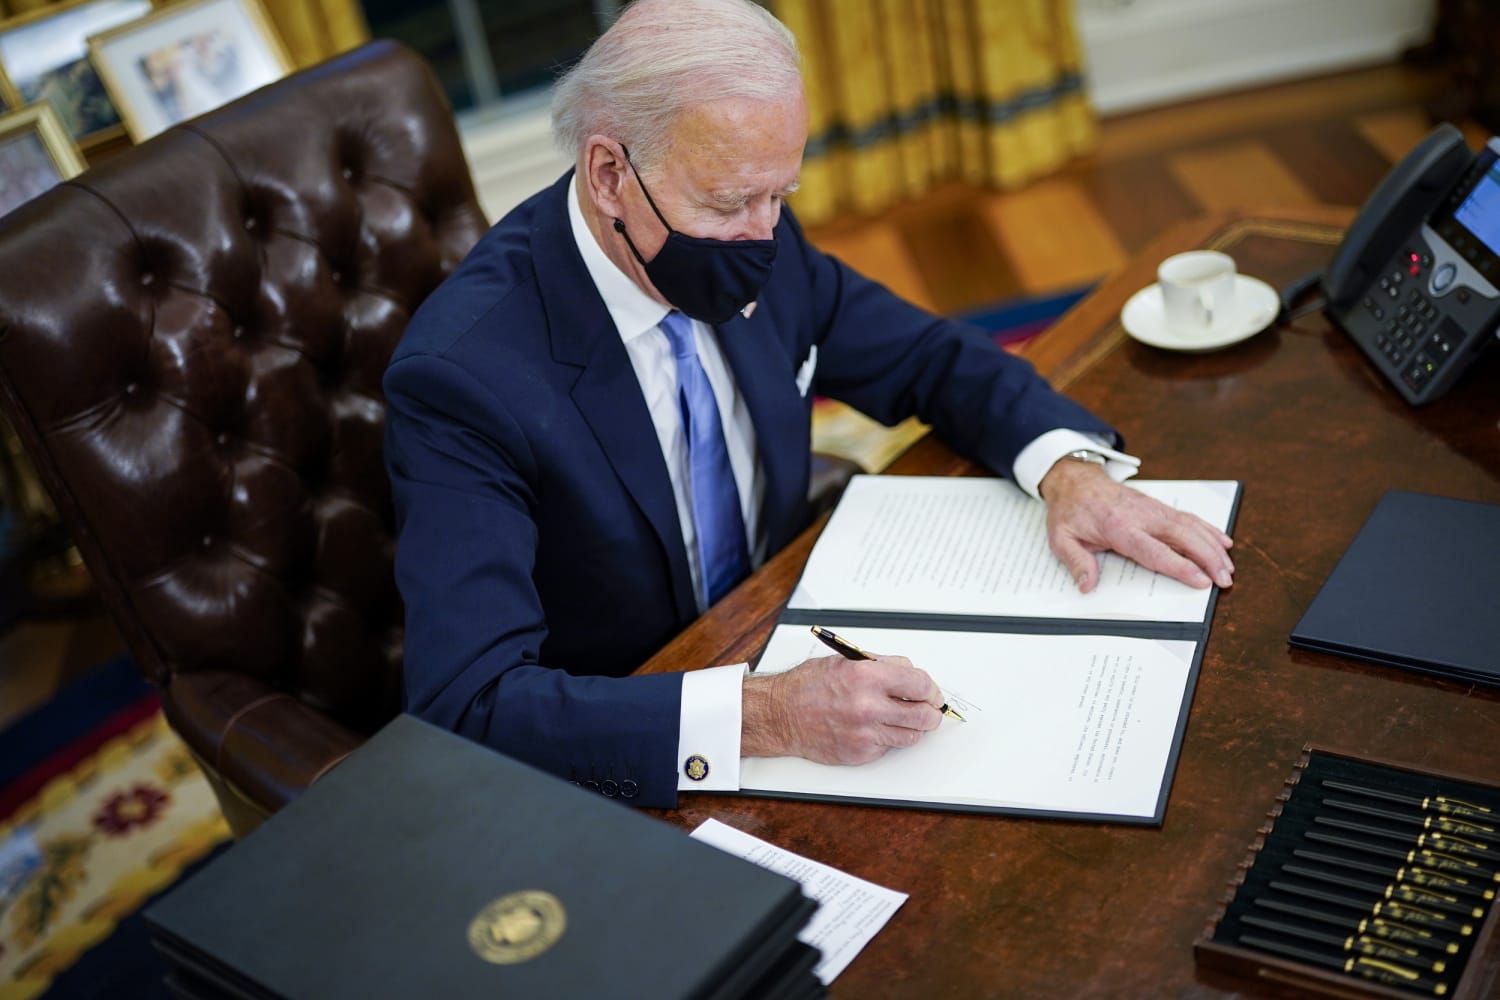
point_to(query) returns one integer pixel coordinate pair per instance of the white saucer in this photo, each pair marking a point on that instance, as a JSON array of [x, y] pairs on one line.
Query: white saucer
[[1256, 305]]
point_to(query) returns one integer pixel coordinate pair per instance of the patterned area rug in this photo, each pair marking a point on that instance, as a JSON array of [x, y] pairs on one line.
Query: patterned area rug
[[101, 808]]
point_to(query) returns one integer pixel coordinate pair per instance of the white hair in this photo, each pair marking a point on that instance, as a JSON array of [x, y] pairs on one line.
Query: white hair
[[662, 57]]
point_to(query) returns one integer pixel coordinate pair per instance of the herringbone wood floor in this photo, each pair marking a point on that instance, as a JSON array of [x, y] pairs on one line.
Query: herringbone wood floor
[[1325, 140], [1320, 140]]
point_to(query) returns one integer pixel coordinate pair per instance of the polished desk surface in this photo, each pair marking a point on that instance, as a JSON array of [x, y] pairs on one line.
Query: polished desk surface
[[1007, 907]]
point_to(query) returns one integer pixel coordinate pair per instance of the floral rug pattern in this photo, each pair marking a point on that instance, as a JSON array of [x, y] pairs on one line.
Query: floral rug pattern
[[92, 845]]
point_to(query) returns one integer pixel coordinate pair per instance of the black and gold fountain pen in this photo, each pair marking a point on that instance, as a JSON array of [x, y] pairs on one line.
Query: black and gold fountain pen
[[850, 651]]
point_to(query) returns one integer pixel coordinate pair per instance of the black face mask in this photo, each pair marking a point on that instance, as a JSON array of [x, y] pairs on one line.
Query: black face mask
[[709, 280]]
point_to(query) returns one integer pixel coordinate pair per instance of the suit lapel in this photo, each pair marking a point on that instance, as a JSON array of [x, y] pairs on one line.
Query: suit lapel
[[767, 379], [607, 393]]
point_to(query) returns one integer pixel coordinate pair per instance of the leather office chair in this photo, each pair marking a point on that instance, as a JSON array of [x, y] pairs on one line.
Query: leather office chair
[[192, 339]]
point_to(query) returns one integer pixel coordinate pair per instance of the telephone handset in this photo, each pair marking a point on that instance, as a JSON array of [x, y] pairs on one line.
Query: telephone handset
[[1414, 281]]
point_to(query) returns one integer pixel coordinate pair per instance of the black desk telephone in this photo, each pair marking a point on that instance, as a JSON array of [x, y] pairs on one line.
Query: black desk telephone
[[1415, 281]]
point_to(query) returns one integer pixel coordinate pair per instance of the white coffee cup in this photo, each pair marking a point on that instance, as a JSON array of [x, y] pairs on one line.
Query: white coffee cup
[[1197, 291]]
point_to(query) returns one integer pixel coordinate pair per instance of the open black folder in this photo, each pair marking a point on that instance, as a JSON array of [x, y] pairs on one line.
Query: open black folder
[[428, 866], [1075, 703], [1419, 588]]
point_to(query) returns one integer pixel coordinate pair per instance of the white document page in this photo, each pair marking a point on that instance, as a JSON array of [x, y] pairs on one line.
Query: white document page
[[851, 910], [949, 545], [1064, 723]]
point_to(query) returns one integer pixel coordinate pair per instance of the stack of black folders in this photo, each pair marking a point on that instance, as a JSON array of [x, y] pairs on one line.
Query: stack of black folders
[[1368, 879], [428, 866]]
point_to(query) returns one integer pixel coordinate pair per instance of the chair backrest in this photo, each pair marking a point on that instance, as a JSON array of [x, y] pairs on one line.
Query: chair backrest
[[192, 339]]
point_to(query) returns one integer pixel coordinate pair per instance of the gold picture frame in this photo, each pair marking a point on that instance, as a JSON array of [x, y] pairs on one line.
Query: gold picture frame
[[185, 59], [36, 153], [44, 56]]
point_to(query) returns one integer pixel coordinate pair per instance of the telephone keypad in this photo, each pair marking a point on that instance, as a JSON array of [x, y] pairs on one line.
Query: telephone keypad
[[1419, 371], [1417, 317], [1436, 349], [1439, 346], [1413, 328]]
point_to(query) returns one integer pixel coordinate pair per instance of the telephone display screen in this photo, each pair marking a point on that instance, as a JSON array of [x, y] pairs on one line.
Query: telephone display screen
[[1480, 211]]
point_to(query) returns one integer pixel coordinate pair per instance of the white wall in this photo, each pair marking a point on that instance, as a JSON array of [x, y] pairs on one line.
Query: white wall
[[1147, 52], [512, 156], [1139, 53]]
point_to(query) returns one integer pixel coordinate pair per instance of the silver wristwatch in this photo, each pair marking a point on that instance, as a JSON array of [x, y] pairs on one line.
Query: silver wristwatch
[[1084, 455]]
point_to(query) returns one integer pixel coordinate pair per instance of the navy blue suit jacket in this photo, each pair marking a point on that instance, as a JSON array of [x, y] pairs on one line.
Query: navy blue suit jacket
[[539, 553]]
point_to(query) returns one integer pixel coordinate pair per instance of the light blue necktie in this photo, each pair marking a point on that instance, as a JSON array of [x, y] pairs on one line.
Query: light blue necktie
[[722, 553]]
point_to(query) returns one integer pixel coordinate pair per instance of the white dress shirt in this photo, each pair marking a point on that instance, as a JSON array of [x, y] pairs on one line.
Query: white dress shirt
[[710, 721]]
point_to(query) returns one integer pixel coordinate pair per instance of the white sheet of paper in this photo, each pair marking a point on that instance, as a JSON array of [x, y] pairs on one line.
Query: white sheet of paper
[[1064, 723], [949, 545], [851, 910]]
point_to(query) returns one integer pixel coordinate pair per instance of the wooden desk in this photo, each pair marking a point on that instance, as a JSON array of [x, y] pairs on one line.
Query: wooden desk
[[1002, 907]]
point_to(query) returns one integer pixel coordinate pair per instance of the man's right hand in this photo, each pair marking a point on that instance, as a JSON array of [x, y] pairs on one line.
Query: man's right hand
[[838, 711]]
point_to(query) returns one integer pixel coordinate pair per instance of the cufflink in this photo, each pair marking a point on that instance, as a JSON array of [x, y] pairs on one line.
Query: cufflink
[[695, 767]]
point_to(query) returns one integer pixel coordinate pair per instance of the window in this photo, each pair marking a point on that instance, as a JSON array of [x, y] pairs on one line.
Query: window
[[489, 51]]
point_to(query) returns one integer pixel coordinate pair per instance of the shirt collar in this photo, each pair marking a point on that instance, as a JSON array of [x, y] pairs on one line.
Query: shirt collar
[[633, 311]]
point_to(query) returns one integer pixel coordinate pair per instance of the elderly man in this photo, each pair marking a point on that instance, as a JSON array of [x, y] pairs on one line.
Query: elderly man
[[600, 423]]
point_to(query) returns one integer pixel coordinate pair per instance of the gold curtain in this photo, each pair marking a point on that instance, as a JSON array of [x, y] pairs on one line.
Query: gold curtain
[[903, 94], [311, 30], [314, 30], [10, 8]]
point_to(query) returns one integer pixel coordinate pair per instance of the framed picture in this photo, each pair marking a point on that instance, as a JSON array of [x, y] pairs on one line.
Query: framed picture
[[180, 61], [44, 56], [36, 153]]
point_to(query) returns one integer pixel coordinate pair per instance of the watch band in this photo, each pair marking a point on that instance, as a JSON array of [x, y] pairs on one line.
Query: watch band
[[1085, 455]]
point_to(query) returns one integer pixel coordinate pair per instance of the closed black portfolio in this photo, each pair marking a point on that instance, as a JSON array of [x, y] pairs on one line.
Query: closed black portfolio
[[425, 865], [1418, 588]]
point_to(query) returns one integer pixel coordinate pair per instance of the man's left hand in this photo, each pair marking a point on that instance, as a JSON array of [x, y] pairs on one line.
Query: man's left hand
[[1088, 513]]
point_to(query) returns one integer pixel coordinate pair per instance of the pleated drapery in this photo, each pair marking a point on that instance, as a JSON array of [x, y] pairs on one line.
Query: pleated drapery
[[314, 30], [904, 94]]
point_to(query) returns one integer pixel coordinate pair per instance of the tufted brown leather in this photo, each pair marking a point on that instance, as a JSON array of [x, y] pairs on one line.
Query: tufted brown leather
[[192, 338]]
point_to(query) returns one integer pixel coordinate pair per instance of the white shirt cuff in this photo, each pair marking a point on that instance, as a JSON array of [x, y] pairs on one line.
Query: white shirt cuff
[[1038, 457], [708, 731]]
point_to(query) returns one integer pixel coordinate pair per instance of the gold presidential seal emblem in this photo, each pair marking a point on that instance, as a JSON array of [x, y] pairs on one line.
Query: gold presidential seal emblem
[[696, 767], [517, 927]]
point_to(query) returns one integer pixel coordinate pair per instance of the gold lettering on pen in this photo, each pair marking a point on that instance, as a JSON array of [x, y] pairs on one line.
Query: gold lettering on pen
[[1390, 967]]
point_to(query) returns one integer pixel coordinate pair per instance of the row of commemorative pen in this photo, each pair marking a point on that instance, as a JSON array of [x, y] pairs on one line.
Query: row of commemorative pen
[[1379, 885]]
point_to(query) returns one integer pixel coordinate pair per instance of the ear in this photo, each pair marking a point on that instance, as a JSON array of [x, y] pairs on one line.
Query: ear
[[604, 171]]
